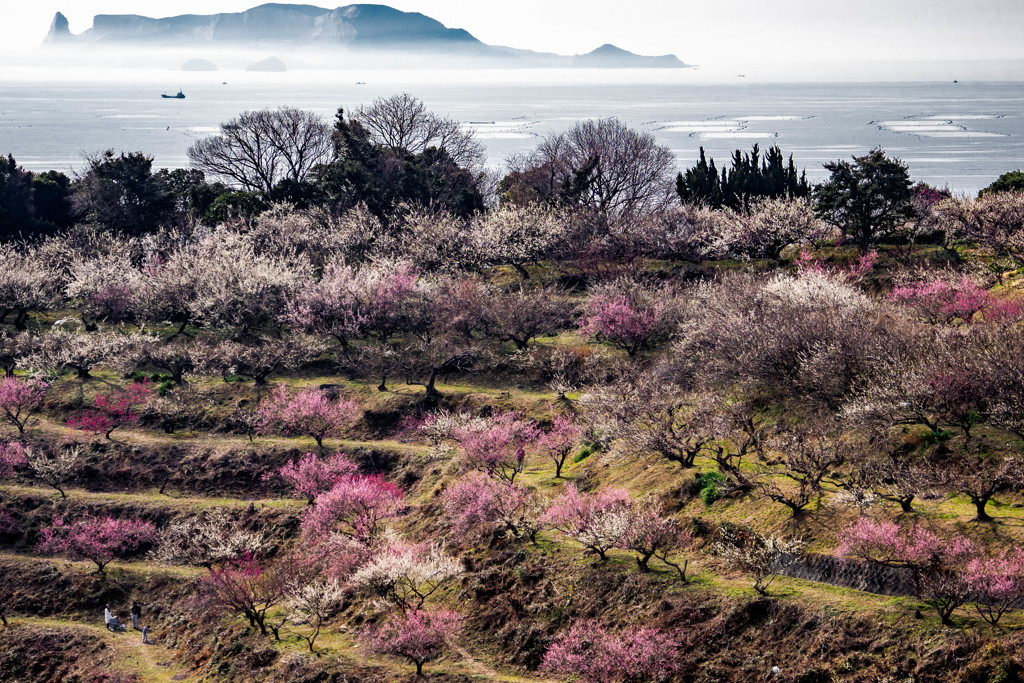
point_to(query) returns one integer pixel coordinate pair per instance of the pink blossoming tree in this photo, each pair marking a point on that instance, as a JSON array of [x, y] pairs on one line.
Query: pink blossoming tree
[[246, 587], [114, 411], [996, 584], [356, 507], [650, 534], [418, 635], [497, 444], [309, 476], [627, 324], [946, 301], [938, 564], [597, 521], [99, 539], [12, 458], [477, 504], [588, 651], [19, 400], [310, 412], [561, 440]]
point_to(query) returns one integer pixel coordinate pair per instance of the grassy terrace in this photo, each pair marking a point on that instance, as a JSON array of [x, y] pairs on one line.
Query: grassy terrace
[[551, 582]]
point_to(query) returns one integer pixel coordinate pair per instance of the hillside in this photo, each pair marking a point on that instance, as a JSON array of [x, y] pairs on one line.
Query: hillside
[[357, 28], [591, 432]]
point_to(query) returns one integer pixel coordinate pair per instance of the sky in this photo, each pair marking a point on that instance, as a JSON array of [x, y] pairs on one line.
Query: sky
[[698, 31]]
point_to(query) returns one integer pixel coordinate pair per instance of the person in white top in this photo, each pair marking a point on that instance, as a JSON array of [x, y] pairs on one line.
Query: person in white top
[[107, 616]]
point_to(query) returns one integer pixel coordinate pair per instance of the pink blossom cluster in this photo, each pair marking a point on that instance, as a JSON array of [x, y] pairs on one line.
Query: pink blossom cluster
[[939, 300], [12, 458], [99, 539], [417, 635], [806, 262], [477, 504], [19, 399], [309, 476], [497, 444], [114, 411], [626, 324], [309, 412], [591, 653], [997, 583], [356, 507], [596, 521], [890, 544], [561, 440]]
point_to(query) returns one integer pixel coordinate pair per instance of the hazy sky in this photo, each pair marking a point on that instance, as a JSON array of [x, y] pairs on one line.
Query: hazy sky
[[698, 31]]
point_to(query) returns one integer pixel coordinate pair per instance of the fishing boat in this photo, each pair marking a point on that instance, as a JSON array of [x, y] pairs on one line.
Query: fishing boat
[[179, 96]]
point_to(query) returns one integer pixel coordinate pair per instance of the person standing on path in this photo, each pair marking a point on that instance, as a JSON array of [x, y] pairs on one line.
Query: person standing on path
[[107, 616], [145, 635], [136, 615]]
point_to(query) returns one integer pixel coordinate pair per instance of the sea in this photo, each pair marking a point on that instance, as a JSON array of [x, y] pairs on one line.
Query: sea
[[955, 133]]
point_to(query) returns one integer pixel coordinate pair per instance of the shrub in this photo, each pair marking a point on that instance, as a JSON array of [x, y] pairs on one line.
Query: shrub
[[709, 484]]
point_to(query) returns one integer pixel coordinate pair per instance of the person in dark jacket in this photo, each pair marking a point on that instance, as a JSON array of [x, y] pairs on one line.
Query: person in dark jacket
[[136, 615]]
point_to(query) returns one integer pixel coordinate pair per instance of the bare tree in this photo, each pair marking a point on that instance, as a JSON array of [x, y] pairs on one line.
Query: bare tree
[[603, 165], [807, 460], [980, 480], [402, 122], [258, 149], [53, 468]]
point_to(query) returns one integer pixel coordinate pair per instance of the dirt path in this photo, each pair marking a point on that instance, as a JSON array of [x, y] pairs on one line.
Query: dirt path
[[151, 663]]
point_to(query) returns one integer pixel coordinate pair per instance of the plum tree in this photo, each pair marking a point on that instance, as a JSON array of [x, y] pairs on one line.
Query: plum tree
[[417, 635], [310, 412], [20, 399], [99, 539], [593, 654]]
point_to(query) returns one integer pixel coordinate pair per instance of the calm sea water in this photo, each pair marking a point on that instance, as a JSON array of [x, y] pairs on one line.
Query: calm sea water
[[960, 135]]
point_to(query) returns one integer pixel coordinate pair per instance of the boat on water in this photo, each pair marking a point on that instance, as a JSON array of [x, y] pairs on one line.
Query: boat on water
[[179, 96]]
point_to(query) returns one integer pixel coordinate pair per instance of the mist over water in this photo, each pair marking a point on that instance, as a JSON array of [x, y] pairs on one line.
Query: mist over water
[[958, 134]]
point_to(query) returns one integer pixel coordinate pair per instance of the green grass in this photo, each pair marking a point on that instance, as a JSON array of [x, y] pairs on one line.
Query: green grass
[[152, 497], [151, 663]]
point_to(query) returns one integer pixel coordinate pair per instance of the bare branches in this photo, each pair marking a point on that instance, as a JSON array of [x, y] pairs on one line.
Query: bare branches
[[258, 149]]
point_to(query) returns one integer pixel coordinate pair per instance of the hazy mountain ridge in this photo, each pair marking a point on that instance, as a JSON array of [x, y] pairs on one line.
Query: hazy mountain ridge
[[355, 28]]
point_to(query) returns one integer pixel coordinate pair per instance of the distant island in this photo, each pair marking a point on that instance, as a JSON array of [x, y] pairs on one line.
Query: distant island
[[353, 30]]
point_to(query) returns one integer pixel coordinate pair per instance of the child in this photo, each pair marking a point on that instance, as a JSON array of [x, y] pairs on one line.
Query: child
[[145, 635]]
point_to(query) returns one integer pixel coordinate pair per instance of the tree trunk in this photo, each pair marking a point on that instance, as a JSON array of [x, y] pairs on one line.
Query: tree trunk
[[432, 391], [181, 330], [905, 503], [522, 270], [979, 505], [419, 667]]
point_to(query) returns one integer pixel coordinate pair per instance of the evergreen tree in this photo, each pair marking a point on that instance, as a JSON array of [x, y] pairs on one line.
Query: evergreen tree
[[749, 177], [867, 198]]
